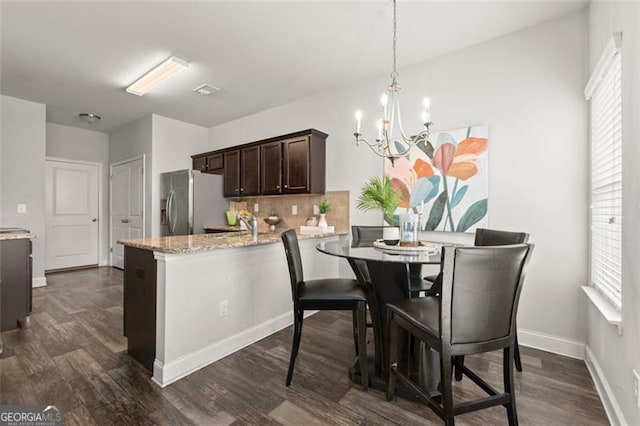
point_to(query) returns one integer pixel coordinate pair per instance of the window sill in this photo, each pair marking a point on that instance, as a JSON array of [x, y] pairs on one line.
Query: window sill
[[610, 313]]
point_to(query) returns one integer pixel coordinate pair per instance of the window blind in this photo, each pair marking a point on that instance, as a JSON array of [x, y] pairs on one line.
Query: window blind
[[606, 178]]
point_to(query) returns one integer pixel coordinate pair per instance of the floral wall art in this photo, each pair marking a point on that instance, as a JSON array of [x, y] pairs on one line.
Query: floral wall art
[[445, 180]]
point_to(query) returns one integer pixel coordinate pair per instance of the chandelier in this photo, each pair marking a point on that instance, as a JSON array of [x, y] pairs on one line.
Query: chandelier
[[385, 144]]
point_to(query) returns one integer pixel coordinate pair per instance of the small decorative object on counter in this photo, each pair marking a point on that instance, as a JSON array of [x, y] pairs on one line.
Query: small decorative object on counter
[[323, 208], [272, 221], [232, 217], [391, 235], [312, 221]]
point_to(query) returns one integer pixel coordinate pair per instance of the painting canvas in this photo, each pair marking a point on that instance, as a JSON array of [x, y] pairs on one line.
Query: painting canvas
[[445, 180]]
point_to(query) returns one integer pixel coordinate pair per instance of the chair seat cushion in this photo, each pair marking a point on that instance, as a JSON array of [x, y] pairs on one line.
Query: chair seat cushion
[[431, 278], [328, 289], [422, 313]]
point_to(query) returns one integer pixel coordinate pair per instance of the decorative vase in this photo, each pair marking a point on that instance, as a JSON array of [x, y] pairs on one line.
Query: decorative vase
[[323, 221]]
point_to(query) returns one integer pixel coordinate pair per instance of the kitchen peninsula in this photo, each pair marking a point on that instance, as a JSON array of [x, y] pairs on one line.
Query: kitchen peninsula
[[190, 300]]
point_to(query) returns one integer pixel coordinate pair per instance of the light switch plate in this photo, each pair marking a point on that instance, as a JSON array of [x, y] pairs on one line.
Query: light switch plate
[[256, 207], [316, 210], [294, 210], [22, 208]]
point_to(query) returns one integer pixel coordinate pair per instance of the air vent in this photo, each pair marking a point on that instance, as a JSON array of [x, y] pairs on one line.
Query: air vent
[[206, 89]]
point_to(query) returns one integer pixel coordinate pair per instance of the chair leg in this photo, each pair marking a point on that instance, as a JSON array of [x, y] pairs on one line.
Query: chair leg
[[355, 313], [457, 369], [392, 362], [516, 355], [446, 388], [362, 345], [507, 367], [295, 345]]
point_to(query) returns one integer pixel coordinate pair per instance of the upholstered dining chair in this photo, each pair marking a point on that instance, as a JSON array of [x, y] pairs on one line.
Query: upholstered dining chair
[[486, 237], [364, 236], [475, 313], [324, 294]]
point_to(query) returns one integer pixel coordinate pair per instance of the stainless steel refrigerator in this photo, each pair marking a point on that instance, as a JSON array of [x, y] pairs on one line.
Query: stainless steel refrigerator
[[189, 201]]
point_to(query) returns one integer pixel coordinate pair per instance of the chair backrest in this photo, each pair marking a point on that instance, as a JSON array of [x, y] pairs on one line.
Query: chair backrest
[[493, 237], [480, 293], [363, 236], [294, 261]]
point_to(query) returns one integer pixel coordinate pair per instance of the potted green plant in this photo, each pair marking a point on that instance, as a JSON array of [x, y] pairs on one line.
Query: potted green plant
[[323, 209], [378, 194]]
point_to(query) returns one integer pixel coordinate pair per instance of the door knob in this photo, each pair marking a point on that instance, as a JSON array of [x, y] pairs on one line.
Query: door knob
[[125, 221], [95, 219]]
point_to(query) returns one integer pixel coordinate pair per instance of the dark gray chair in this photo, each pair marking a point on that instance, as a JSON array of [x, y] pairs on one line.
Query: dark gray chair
[[364, 236], [329, 294], [485, 237], [475, 313]]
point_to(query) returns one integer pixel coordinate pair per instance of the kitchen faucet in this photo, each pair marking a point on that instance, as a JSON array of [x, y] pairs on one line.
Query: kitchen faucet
[[253, 226]]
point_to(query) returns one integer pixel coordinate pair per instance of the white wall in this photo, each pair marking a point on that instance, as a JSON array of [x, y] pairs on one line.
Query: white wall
[[130, 141], [527, 87], [22, 172], [617, 355], [173, 144], [71, 143]]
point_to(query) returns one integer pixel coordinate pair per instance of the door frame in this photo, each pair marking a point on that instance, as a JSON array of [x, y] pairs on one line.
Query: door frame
[[144, 199], [103, 260]]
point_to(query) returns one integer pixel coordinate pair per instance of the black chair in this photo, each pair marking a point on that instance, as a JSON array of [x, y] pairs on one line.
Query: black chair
[[476, 313], [328, 294], [485, 237], [364, 236]]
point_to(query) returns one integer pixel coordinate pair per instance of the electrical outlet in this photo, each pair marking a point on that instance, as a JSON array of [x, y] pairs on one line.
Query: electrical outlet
[[22, 208], [294, 210], [224, 308], [316, 210], [636, 387], [256, 207]]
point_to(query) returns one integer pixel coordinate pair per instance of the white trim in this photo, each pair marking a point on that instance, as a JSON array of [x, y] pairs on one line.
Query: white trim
[[605, 61], [39, 282], [610, 313], [611, 406], [549, 343], [165, 374], [101, 236], [144, 199]]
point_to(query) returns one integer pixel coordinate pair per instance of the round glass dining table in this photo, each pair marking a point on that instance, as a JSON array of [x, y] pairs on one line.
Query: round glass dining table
[[386, 275]]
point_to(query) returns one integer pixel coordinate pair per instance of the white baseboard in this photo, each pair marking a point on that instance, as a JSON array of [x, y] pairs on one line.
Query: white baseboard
[[165, 374], [611, 406], [39, 282], [550, 343]]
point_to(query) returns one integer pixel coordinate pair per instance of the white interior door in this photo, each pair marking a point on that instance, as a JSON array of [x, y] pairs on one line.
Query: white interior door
[[127, 206], [72, 219]]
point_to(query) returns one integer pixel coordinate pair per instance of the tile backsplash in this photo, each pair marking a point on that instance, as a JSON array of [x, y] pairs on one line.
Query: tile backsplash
[[282, 205]]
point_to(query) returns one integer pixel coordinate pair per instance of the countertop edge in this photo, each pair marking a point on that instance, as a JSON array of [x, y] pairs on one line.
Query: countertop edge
[[185, 244]]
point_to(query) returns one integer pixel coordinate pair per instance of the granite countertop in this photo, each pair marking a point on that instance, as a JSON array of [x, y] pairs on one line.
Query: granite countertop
[[223, 228], [17, 236], [205, 242]]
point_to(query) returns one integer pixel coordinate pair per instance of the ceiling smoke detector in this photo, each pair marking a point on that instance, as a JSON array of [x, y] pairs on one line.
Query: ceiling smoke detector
[[89, 118], [206, 89]]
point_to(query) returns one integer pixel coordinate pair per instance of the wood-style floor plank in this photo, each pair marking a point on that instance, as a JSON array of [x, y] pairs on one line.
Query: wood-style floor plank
[[73, 355]]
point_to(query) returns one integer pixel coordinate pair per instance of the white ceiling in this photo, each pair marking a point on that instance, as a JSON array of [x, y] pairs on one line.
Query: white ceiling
[[78, 56]]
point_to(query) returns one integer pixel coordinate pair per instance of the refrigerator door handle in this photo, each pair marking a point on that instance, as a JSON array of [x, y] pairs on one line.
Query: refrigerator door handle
[[170, 224]]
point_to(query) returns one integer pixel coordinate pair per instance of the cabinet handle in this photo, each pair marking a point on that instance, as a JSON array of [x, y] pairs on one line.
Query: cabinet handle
[[241, 189], [277, 186], [285, 186]]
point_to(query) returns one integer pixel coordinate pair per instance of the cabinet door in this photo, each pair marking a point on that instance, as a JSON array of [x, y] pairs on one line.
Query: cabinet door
[[214, 162], [250, 171], [296, 165], [271, 168], [232, 173], [200, 163]]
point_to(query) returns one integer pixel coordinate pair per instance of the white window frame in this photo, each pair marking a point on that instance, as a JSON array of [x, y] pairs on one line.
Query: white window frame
[[604, 91]]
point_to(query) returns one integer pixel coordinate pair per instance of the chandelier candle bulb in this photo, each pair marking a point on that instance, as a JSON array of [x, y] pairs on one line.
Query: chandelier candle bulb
[[379, 129], [358, 121]]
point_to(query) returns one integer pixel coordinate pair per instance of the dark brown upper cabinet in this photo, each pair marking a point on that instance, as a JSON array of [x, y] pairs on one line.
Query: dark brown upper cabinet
[[271, 168], [289, 164], [250, 171], [232, 173], [208, 163]]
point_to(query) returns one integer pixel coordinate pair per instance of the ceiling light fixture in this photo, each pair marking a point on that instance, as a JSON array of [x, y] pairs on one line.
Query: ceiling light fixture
[[206, 89], [385, 145], [166, 69], [89, 118]]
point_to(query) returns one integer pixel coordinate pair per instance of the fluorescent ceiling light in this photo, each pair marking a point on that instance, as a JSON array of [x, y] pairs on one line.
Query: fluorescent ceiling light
[[166, 69]]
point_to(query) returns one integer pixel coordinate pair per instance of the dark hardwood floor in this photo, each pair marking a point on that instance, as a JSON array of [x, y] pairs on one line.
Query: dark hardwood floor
[[73, 355]]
